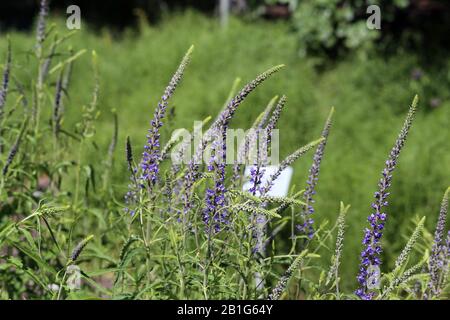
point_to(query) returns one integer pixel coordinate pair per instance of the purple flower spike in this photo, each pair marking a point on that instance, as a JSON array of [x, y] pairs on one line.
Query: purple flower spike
[[370, 256], [256, 175], [214, 213], [147, 172], [5, 79], [307, 226], [221, 124], [149, 165]]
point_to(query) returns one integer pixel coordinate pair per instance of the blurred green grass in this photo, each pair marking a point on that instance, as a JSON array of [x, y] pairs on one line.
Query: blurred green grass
[[371, 97]]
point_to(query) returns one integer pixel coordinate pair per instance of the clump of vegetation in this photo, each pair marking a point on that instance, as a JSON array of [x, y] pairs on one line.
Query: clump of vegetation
[[184, 230]]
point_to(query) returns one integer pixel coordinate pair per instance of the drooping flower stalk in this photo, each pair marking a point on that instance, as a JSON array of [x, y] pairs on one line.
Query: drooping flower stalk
[[219, 125], [79, 248], [149, 165], [249, 139], [146, 175], [215, 197], [257, 171], [439, 251], [287, 162], [260, 221], [307, 226], [370, 256], [227, 114]]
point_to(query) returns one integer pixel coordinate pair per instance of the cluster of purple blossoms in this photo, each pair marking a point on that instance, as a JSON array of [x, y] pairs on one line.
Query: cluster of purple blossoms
[[370, 256], [149, 165], [215, 198], [151, 156], [131, 197], [248, 140], [307, 226], [221, 124], [256, 175]]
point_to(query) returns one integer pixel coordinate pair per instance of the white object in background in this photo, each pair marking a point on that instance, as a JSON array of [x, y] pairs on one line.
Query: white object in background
[[280, 187], [224, 10]]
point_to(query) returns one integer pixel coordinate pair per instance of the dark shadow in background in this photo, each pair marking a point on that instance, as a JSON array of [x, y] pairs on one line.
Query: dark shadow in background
[[116, 14], [423, 27]]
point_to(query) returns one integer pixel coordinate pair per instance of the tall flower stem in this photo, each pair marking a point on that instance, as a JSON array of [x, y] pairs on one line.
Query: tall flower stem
[[307, 226], [370, 256], [4, 90], [148, 170]]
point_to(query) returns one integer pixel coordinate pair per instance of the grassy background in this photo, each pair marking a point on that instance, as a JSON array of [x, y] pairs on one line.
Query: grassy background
[[371, 97]]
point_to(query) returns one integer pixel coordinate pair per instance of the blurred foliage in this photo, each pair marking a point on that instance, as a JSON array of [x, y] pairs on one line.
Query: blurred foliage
[[333, 28], [324, 28]]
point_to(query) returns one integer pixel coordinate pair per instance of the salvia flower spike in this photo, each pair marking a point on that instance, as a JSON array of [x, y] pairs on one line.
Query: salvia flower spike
[[234, 103], [287, 162], [221, 123], [307, 226], [370, 256]]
